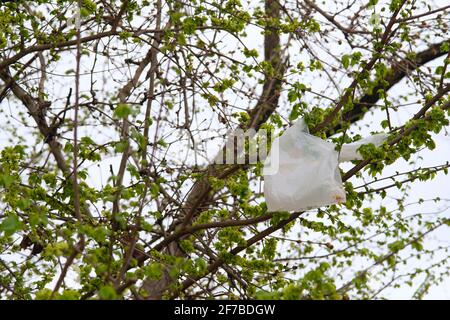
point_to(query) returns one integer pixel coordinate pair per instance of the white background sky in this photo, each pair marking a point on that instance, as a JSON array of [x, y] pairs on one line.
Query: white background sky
[[440, 186]]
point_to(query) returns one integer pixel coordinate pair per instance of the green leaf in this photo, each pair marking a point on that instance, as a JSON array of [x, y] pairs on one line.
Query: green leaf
[[107, 293], [120, 146], [154, 271], [7, 180], [69, 295], [345, 61], [10, 224], [43, 294], [122, 111]]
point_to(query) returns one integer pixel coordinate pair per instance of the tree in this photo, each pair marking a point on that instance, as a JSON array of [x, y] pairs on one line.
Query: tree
[[111, 111]]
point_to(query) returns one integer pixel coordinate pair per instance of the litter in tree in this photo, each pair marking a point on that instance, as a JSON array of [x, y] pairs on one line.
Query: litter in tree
[[307, 174]]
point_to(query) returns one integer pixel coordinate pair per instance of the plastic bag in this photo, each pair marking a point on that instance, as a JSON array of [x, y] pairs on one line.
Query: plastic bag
[[349, 152], [308, 174]]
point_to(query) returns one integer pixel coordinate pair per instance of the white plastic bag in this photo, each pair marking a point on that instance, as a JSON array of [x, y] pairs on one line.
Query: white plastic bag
[[349, 152], [308, 174]]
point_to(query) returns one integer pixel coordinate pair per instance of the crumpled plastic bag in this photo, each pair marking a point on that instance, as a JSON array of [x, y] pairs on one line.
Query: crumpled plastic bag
[[307, 174]]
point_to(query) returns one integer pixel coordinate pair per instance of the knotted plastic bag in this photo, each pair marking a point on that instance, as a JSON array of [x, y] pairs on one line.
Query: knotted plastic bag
[[308, 174], [301, 171], [349, 151]]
